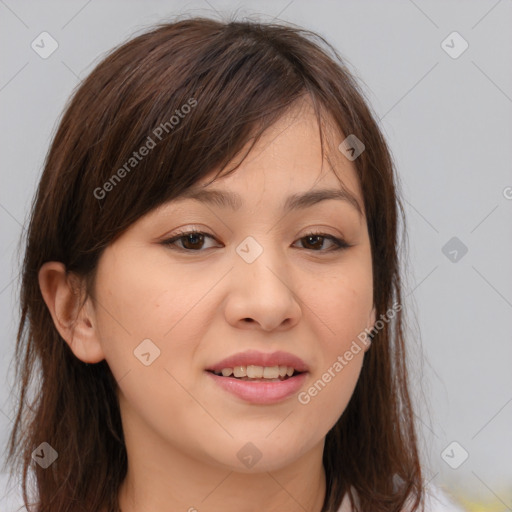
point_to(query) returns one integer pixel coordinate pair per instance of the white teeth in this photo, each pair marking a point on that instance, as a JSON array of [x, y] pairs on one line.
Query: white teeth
[[254, 372], [240, 371], [271, 372], [258, 372]]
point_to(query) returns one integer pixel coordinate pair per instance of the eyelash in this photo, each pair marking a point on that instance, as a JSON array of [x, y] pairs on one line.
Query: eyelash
[[339, 244]]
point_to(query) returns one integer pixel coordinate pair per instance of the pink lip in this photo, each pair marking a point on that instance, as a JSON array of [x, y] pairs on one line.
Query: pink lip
[[259, 392], [261, 359]]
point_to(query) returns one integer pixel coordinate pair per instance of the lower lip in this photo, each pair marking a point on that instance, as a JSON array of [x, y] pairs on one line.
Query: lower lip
[[260, 392]]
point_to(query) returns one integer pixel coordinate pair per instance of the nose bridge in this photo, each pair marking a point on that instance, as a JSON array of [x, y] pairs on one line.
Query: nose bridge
[[262, 286], [260, 258]]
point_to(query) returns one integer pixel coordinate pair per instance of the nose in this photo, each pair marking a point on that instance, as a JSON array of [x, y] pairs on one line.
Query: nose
[[261, 290]]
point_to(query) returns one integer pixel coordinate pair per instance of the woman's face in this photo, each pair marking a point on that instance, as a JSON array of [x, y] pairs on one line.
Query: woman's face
[[256, 290]]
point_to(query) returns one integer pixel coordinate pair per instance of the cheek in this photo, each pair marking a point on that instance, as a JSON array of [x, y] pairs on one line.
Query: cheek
[[147, 314], [340, 309], [340, 358], [340, 306], [150, 327]]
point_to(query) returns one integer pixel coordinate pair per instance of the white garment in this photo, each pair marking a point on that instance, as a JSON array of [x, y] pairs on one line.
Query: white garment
[[435, 501]]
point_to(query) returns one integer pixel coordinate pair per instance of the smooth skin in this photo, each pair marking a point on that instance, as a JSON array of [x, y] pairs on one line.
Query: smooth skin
[[199, 301]]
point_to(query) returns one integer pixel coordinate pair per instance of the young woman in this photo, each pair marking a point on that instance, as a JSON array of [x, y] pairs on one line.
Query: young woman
[[211, 300]]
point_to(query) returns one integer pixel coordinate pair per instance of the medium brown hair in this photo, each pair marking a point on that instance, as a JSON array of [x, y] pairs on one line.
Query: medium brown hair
[[238, 78]]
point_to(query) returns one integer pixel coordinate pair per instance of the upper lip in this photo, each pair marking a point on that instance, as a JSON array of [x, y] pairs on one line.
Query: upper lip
[[253, 357]]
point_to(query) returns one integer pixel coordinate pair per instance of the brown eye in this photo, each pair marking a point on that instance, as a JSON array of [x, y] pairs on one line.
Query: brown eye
[[315, 241], [192, 241]]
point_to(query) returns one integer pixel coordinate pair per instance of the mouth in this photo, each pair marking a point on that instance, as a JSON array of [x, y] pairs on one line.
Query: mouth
[[259, 378]]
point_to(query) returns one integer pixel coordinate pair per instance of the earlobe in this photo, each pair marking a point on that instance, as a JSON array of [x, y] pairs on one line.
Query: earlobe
[[75, 324]]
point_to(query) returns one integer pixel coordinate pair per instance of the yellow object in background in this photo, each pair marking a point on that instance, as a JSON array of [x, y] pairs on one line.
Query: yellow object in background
[[494, 506]]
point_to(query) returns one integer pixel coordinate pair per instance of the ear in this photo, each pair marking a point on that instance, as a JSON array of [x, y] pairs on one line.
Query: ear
[[62, 294]]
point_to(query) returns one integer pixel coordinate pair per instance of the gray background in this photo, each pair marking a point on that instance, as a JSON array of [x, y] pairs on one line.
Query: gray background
[[448, 123]]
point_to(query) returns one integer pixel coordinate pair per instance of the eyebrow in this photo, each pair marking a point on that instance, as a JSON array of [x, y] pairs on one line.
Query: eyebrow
[[225, 198]]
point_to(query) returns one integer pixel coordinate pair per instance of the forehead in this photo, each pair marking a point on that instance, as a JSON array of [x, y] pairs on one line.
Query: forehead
[[286, 160]]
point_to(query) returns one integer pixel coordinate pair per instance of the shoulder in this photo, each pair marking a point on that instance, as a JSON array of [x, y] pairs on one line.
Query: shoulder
[[435, 501]]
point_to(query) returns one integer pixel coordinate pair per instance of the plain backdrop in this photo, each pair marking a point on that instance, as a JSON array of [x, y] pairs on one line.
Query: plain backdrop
[[446, 111]]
